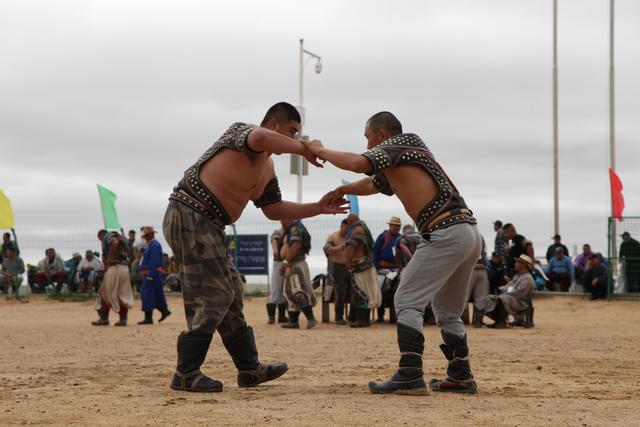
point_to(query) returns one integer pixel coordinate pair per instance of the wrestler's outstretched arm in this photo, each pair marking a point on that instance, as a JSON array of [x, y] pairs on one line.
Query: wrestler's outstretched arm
[[262, 139], [330, 203], [341, 159]]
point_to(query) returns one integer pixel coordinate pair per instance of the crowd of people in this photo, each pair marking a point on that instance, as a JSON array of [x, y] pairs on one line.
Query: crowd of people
[[363, 273]]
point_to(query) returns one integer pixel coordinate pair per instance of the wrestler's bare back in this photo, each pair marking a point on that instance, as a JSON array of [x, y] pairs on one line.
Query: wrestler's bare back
[[414, 187], [235, 179]]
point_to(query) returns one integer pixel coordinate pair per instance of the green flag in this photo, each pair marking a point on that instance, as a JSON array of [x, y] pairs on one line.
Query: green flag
[[108, 205]]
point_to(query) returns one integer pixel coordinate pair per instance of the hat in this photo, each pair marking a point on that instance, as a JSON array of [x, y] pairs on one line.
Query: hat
[[88, 252], [626, 233], [556, 236], [497, 222], [76, 255], [526, 260], [147, 229], [394, 220], [132, 231]]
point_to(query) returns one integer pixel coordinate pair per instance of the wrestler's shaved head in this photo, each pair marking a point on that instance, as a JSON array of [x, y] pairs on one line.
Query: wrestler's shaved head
[[386, 121], [283, 112]]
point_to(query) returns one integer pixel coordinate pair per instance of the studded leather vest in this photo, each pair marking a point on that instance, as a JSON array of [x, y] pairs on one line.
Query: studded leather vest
[[199, 198], [409, 149]]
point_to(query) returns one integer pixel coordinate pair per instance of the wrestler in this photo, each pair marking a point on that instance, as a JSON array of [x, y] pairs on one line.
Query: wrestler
[[441, 267], [212, 194], [365, 292], [276, 293], [295, 271], [335, 251]]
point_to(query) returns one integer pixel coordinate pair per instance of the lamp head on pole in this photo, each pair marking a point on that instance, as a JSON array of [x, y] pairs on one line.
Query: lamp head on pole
[[318, 66]]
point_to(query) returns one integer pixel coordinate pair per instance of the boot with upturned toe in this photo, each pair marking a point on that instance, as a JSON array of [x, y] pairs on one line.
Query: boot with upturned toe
[[192, 350], [166, 313], [271, 312], [311, 320], [293, 321], [282, 313], [148, 318], [459, 378], [243, 351], [409, 378]]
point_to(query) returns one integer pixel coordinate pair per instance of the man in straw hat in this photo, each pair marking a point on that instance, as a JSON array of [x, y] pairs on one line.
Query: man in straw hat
[[514, 296], [384, 257], [151, 291], [212, 194], [440, 269]]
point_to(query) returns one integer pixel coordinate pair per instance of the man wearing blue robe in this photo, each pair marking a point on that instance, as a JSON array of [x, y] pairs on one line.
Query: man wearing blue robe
[[151, 292]]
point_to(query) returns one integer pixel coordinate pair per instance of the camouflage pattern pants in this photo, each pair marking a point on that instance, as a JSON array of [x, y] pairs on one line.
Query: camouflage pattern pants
[[211, 287]]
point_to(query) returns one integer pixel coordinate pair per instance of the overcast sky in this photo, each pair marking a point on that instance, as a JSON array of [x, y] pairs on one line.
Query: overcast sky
[[129, 93]]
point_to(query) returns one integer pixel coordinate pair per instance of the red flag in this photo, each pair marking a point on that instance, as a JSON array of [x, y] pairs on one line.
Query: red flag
[[617, 199]]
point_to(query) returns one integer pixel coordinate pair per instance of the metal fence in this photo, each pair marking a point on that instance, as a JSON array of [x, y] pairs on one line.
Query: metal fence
[[624, 254]]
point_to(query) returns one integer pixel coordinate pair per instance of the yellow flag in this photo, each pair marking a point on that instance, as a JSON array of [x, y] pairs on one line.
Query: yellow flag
[[6, 213]]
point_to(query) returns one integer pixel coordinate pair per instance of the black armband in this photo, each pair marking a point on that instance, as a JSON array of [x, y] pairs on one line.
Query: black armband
[[270, 195]]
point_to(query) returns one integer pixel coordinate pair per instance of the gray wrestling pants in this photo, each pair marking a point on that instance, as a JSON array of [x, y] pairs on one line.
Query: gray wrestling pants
[[440, 270], [276, 291]]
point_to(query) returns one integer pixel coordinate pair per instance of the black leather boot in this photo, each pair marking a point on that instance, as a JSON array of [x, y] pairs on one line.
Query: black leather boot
[[243, 351], [293, 320], [271, 312], [122, 321], [459, 378], [477, 318], [380, 315], [192, 350], [148, 318], [409, 378], [103, 318], [282, 313], [311, 320], [361, 316], [166, 313]]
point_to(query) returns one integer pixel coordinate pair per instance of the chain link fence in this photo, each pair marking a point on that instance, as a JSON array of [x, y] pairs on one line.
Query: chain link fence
[[624, 253]]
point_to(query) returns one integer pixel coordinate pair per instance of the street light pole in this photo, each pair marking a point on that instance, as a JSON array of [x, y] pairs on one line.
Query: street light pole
[[612, 123], [318, 68], [556, 196]]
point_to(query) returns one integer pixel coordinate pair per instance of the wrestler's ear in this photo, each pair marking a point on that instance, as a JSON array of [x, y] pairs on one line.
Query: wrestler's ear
[[271, 124], [383, 135]]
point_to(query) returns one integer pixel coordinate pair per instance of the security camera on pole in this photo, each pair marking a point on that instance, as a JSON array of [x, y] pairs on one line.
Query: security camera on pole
[[299, 165]]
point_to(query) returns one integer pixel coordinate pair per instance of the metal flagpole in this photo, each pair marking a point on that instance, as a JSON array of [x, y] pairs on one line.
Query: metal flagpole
[[299, 159], [556, 197], [612, 127]]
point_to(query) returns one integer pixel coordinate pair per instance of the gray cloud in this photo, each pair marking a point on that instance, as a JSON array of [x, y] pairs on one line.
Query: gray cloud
[[129, 94]]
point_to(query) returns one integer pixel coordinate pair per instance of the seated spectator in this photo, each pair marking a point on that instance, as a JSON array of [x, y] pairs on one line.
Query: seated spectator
[[406, 244], [12, 271], [90, 272], [6, 244], [557, 243], [596, 278], [560, 271], [581, 262], [51, 270], [497, 273], [172, 280], [514, 296], [71, 265]]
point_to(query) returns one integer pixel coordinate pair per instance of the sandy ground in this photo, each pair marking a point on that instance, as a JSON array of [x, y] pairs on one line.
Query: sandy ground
[[578, 366]]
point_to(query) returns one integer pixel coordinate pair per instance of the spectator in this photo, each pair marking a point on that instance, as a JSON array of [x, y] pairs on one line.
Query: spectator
[[6, 244], [596, 278], [514, 296], [551, 250], [560, 270], [520, 246], [630, 254], [130, 242], [173, 279], [383, 256], [12, 271], [500, 246], [90, 272], [140, 245], [479, 287], [407, 244], [581, 263], [51, 270], [71, 265], [151, 292], [137, 276]]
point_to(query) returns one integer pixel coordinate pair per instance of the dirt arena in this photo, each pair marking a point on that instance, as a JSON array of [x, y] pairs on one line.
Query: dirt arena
[[578, 366]]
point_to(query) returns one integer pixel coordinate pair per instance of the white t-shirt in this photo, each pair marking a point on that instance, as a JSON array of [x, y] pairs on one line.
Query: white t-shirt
[[95, 264], [140, 244]]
